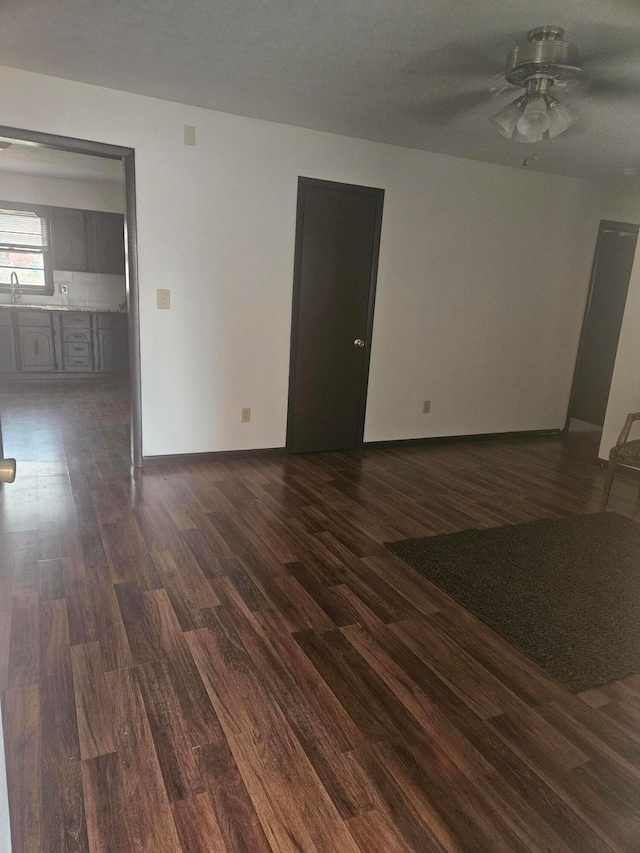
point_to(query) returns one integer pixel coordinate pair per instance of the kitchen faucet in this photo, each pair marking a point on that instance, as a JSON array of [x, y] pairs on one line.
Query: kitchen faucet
[[13, 283]]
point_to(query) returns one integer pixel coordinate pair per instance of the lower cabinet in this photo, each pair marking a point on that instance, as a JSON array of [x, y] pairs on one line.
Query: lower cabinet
[[112, 344], [77, 338], [35, 343], [8, 363], [54, 341], [36, 349]]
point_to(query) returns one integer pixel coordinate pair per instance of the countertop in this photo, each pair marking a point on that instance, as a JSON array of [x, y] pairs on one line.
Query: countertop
[[82, 308]]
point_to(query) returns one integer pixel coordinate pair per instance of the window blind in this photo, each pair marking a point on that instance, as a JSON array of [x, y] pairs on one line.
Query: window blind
[[23, 229]]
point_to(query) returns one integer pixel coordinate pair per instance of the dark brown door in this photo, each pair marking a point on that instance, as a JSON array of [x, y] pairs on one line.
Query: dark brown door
[[612, 264], [337, 241]]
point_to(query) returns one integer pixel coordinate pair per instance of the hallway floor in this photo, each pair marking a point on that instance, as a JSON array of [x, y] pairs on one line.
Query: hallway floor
[[222, 656]]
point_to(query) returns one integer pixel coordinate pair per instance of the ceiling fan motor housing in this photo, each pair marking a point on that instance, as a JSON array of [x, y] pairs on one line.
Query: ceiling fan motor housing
[[545, 54]]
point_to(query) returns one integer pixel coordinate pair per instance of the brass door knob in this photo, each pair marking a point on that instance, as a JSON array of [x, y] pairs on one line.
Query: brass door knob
[[358, 342], [7, 470]]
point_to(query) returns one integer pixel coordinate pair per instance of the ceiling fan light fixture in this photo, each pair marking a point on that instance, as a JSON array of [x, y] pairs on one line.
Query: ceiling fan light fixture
[[561, 118], [509, 116], [534, 120], [544, 61], [533, 137]]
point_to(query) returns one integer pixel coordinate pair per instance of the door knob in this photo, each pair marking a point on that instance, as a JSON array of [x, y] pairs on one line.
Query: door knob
[[358, 342], [7, 470]]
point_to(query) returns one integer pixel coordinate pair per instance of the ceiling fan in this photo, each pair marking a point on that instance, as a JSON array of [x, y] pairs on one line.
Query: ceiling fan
[[541, 66]]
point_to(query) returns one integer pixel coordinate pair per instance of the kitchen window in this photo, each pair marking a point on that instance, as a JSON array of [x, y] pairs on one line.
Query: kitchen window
[[25, 259]]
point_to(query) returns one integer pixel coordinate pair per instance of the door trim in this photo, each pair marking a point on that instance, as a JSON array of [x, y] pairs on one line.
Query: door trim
[[605, 224], [378, 194], [127, 156]]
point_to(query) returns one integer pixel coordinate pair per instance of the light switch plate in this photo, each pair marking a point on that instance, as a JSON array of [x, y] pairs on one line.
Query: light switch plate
[[164, 298], [189, 134]]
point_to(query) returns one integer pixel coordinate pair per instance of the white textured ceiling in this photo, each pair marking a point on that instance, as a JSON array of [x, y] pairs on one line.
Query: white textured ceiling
[[364, 68], [28, 159]]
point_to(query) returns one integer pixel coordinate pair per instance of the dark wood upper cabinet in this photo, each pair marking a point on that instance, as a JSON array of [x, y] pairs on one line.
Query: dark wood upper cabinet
[[87, 241], [69, 239], [106, 242]]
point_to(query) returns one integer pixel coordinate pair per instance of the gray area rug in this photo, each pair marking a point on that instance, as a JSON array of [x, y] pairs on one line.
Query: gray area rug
[[566, 591]]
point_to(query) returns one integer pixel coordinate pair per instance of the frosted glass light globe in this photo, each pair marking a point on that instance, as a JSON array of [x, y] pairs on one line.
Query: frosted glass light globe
[[534, 121]]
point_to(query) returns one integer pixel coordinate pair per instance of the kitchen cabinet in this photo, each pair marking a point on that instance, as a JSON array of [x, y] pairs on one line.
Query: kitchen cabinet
[[87, 241], [76, 340], [8, 363], [35, 342], [112, 343], [57, 341], [69, 239], [106, 242]]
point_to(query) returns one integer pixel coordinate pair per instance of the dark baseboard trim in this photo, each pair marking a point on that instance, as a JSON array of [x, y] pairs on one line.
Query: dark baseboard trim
[[221, 455], [450, 439], [211, 456]]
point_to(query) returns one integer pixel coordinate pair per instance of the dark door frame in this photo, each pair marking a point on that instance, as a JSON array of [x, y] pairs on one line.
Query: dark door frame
[[127, 156], [303, 184], [605, 225]]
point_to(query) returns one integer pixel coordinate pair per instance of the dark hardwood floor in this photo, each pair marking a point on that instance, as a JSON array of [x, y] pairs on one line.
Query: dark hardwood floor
[[223, 657]]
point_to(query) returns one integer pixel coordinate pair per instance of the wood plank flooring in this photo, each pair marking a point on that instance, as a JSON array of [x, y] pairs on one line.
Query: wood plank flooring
[[223, 657]]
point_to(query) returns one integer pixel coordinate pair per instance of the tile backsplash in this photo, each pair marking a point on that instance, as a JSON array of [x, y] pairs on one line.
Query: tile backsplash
[[86, 290]]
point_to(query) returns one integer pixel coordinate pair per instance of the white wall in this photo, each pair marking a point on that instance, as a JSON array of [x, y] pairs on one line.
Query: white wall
[[58, 192], [482, 279]]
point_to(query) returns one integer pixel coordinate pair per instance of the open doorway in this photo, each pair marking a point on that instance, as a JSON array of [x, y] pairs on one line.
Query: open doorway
[[610, 274], [69, 306]]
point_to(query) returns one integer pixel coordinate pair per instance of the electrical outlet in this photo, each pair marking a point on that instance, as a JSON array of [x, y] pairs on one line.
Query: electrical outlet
[[164, 298], [426, 407], [63, 288], [189, 134], [246, 416]]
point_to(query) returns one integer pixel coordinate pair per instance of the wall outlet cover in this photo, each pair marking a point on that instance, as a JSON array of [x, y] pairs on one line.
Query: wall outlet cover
[[426, 407], [189, 134], [246, 416], [63, 288]]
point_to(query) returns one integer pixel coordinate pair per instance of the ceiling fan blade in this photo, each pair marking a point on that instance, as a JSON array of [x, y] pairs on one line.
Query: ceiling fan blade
[[481, 55], [453, 60], [592, 59], [603, 87], [442, 110], [608, 44]]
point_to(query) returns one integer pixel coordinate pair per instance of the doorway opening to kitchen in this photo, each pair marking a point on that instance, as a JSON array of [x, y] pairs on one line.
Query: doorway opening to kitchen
[[69, 347]]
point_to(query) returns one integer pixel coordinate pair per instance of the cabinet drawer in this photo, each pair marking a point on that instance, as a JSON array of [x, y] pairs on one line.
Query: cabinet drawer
[[34, 318], [77, 362], [83, 337], [5, 318], [76, 349], [73, 319]]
